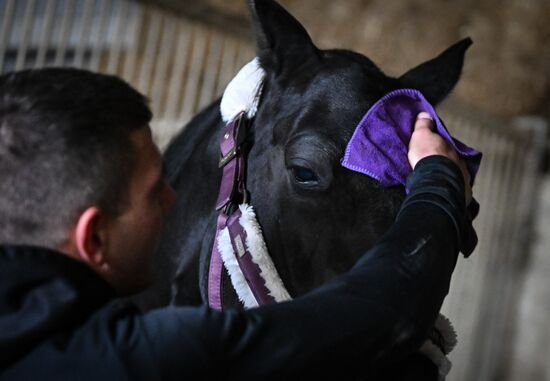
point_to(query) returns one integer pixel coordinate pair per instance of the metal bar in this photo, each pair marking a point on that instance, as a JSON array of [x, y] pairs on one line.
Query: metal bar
[[244, 54], [500, 261], [195, 68], [45, 33], [512, 240], [175, 84], [64, 34], [211, 71], [227, 71], [150, 52], [131, 56], [120, 25], [237, 64], [160, 74], [97, 48], [84, 35], [26, 33], [6, 31]]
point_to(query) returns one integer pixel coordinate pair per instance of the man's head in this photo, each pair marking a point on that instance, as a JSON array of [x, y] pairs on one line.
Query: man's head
[[79, 171]]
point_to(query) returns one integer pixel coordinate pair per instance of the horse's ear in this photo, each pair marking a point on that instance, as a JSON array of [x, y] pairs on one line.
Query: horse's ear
[[282, 42], [437, 77]]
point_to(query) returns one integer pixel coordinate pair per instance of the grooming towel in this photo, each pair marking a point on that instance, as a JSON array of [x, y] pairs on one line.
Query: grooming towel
[[379, 146]]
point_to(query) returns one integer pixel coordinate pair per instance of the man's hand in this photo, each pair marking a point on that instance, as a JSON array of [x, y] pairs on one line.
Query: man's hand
[[425, 142]]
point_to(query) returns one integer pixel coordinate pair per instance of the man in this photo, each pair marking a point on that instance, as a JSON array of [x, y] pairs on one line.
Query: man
[[82, 200]]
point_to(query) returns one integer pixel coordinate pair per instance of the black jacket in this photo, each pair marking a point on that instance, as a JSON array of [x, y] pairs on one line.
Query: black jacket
[[58, 320]]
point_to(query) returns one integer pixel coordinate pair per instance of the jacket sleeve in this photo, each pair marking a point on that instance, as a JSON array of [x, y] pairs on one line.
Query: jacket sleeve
[[377, 313]]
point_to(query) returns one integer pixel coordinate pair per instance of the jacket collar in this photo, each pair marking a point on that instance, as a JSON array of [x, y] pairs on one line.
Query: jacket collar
[[43, 292]]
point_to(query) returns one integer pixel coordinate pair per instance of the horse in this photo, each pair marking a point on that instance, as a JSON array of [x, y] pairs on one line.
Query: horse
[[317, 217]]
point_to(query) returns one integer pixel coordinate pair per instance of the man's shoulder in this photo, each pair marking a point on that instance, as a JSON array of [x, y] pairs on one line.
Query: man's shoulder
[[54, 310], [106, 345]]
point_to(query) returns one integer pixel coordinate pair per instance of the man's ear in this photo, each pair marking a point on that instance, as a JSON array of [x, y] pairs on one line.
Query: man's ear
[[437, 77], [282, 42], [90, 238]]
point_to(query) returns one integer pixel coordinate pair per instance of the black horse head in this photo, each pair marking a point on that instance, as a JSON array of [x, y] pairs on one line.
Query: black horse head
[[317, 217]]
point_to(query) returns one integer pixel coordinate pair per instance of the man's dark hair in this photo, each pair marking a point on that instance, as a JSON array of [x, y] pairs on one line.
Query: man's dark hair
[[64, 146]]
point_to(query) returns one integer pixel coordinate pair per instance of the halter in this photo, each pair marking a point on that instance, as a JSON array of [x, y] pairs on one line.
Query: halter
[[233, 193], [239, 245]]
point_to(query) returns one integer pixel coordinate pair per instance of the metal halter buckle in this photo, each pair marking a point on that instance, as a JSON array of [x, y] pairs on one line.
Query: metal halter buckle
[[240, 136]]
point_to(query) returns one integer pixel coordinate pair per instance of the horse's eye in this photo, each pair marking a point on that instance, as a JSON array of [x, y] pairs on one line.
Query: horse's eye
[[304, 175]]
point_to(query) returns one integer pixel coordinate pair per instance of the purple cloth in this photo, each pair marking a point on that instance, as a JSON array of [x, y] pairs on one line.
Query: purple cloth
[[380, 143]]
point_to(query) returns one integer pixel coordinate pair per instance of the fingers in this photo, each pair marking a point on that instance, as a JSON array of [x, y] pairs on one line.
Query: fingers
[[424, 120], [425, 142]]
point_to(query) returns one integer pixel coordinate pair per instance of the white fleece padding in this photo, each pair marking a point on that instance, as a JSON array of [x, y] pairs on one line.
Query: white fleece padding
[[243, 92], [256, 245], [446, 337], [235, 273], [446, 330], [432, 351]]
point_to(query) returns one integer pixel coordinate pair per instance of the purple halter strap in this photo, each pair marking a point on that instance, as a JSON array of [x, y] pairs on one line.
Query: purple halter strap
[[233, 193]]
